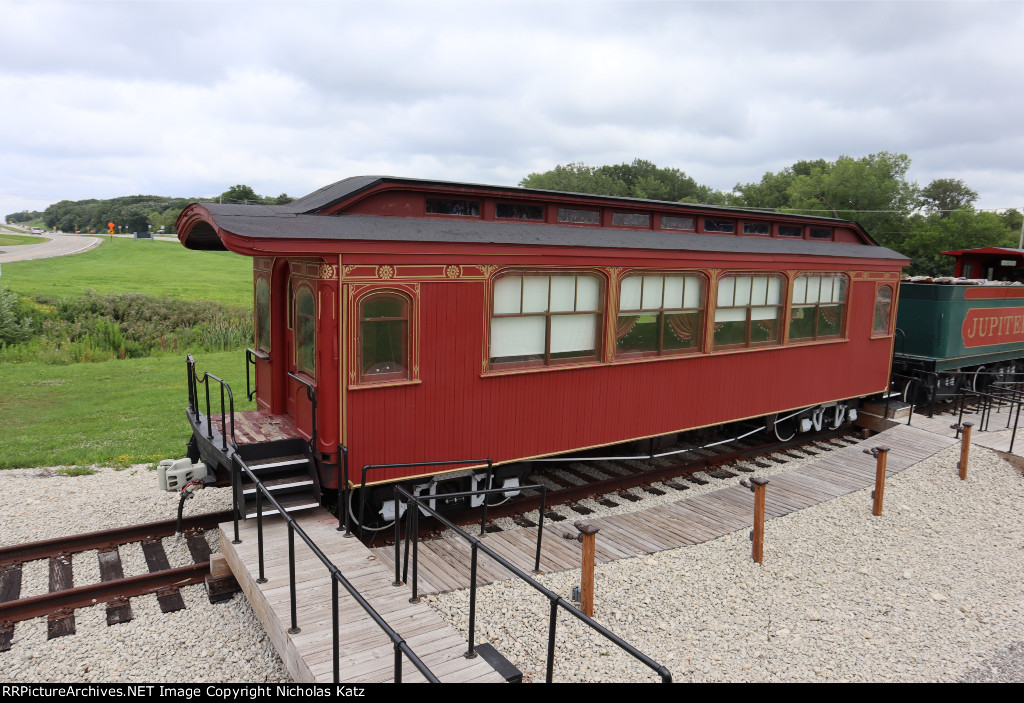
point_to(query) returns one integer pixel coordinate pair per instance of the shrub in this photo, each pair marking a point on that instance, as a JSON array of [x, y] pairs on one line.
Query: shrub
[[15, 325], [97, 327]]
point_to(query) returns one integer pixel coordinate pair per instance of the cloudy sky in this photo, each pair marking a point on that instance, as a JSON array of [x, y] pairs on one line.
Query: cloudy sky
[[182, 98]]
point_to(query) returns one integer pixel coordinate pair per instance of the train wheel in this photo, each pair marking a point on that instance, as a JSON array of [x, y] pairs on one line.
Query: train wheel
[[838, 418], [978, 382], [374, 522]]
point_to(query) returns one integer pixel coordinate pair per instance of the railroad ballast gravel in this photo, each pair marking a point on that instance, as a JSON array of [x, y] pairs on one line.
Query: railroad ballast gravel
[[933, 590]]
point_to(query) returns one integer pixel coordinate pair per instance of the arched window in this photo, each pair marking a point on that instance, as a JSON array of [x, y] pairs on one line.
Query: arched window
[[660, 315], [383, 337], [262, 315], [819, 306], [539, 319], [305, 331], [882, 325]]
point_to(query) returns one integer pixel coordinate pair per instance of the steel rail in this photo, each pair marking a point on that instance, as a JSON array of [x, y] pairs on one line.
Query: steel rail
[[103, 592], [72, 544], [558, 496]]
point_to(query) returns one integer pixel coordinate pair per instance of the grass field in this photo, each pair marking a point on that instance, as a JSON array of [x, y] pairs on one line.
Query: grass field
[[13, 240], [121, 411], [152, 267], [111, 413]]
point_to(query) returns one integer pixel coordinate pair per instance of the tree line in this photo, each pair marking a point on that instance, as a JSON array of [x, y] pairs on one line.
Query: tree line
[[134, 213], [873, 190], [918, 222]]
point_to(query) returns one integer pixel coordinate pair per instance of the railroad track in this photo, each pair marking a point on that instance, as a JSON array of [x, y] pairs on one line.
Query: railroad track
[[614, 482], [114, 589]]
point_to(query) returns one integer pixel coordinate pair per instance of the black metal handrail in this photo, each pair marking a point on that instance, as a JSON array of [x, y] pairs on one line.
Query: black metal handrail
[[400, 645], [413, 530], [311, 396], [227, 413], [1013, 398], [374, 467], [556, 601], [250, 358]]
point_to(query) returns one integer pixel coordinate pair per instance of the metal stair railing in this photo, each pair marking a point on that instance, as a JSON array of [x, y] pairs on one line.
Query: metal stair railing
[[400, 645], [414, 529], [250, 359], [227, 412], [343, 492], [417, 503]]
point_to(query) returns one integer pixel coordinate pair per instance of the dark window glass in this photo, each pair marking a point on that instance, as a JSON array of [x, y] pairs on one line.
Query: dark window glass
[[519, 212], [305, 331], [439, 206], [262, 315], [791, 231], [719, 225], [586, 217], [631, 219], [756, 228], [821, 233], [682, 223], [384, 338]]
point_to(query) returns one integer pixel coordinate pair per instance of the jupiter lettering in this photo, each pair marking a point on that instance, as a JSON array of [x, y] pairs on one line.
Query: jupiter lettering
[[988, 326]]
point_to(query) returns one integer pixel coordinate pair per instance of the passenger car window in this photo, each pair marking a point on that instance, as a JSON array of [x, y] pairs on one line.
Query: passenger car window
[[659, 315], [541, 319]]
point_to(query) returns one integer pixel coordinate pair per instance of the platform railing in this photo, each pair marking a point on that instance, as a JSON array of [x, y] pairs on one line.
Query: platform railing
[[379, 467], [417, 503], [987, 403], [400, 645], [412, 531], [251, 355], [227, 410]]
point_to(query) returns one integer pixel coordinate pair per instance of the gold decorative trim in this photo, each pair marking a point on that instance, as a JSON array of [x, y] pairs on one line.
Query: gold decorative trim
[[417, 272], [328, 272]]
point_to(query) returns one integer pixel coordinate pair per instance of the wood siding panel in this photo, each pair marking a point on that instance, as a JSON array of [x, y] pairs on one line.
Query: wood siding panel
[[456, 412]]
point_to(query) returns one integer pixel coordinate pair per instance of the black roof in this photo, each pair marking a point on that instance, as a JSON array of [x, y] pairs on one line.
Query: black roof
[[299, 220]]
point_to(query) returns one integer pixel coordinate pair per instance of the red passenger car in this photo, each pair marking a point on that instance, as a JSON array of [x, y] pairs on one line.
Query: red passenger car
[[435, 321]]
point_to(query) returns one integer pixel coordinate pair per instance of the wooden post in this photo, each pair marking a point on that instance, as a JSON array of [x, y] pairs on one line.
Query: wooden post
[[880, 455], [759, 484], [965, 449], [588, 536]]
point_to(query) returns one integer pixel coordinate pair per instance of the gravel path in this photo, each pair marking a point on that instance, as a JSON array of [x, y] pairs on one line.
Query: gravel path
[[931, 591]]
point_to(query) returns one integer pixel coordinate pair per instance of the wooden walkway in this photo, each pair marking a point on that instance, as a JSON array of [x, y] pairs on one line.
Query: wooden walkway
[[997, 437], [444, 563], [367, 655]]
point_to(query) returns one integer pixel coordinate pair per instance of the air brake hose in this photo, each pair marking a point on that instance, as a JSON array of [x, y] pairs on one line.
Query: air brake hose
[[187, 492]]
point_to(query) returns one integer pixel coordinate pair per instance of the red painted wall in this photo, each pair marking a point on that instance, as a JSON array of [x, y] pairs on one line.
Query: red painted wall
[[457, 413]]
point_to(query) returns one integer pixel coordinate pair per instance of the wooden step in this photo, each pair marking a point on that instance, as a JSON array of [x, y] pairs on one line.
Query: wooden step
[[291, 502]]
